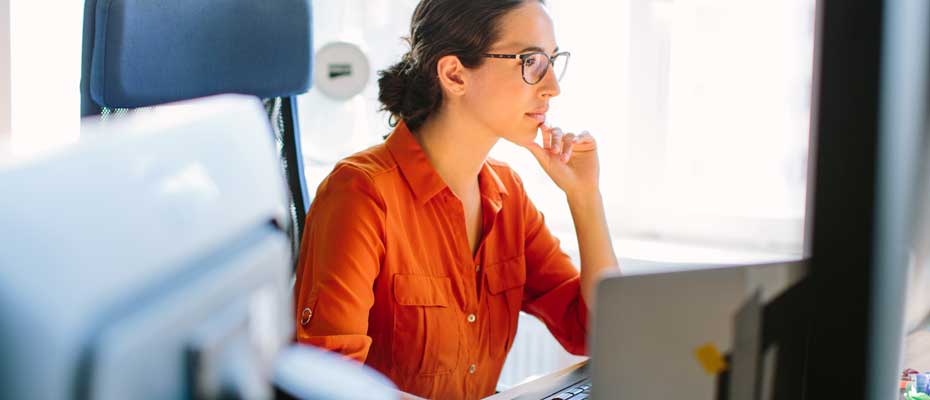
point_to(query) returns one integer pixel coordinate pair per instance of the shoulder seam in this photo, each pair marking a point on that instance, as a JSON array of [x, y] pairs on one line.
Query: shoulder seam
[[368, 173]]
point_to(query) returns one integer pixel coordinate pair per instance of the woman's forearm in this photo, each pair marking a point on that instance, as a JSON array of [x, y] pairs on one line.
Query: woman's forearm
[[594, 244]]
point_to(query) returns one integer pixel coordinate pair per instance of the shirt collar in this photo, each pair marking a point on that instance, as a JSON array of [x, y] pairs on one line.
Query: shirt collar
[[491, 186], [422, 177]]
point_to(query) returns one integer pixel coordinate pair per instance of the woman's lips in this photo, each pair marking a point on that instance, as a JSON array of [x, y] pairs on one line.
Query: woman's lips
[[539, 117]]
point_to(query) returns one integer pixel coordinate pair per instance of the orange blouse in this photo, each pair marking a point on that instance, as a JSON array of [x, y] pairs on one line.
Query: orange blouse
[[386, 275]]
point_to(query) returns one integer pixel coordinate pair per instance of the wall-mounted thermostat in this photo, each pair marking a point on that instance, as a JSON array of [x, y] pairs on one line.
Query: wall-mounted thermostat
[[341, 70]]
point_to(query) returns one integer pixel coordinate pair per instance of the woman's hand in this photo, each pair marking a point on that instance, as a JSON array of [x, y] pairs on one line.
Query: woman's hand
[[569, 159], [571, 162]]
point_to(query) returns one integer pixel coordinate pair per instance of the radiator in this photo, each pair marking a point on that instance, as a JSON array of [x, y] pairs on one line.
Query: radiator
[[534, 353]]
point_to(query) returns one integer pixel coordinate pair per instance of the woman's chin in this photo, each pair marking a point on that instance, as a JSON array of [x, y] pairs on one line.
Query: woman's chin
[[522, 134], [523, 139]]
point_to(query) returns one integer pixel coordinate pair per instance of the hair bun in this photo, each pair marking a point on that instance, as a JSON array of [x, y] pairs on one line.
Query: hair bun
[[393, 83], [407, 94]]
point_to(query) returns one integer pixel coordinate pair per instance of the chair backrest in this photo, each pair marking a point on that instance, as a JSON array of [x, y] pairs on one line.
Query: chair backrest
[[141, 53]]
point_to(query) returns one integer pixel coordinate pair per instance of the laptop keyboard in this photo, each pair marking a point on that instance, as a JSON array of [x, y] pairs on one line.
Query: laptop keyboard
[[578, 391]]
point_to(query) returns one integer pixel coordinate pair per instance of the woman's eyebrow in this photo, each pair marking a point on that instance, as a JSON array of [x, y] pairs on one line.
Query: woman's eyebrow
[[537, 48]]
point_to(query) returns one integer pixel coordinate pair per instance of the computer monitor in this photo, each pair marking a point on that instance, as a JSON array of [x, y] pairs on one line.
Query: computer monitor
[[150, 261], [869, 130], [153, 238]]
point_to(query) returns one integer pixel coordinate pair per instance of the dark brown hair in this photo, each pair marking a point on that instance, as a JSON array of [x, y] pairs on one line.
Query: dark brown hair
[[410, 89]]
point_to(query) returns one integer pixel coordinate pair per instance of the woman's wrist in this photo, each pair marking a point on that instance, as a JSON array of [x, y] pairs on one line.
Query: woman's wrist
[[583, 197]]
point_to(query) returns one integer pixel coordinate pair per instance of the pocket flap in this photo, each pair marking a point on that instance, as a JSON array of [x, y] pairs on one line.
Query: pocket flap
[[506, 275], [422, 290]]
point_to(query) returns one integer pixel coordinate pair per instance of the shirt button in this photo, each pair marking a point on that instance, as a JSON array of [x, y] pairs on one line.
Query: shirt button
[[472, 368], [477, 267], [305, 316], [471, 318]]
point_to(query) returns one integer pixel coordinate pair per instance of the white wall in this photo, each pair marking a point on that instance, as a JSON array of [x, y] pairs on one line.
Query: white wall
[[45, 44], [5, 123]]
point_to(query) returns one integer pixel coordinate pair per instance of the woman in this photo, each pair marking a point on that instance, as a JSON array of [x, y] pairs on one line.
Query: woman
[[419, 253]]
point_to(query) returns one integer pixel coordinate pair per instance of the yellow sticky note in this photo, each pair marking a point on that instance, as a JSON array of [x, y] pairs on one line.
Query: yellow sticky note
[[710, 359]]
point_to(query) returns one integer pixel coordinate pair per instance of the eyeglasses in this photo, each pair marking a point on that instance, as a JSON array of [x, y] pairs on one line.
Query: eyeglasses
[[536, 64]]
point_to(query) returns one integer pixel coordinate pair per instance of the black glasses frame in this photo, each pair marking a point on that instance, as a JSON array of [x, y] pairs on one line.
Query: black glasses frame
[[524, 56]]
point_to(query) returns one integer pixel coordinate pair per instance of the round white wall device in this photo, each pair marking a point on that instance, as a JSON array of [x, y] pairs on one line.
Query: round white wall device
[[341, 70]]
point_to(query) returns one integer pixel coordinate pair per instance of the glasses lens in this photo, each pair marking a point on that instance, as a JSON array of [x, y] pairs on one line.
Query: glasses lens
[[560, 64], [534, 67]]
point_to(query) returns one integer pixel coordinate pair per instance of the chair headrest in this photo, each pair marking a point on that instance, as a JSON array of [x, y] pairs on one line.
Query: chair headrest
[[148, 52]]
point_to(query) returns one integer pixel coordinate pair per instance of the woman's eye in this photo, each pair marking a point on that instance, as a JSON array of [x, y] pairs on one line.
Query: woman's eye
[[529, 62]]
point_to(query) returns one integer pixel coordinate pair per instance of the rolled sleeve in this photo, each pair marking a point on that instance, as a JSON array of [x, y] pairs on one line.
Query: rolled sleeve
[[565, 313], [352, 346], [341, 254], [553, 285]]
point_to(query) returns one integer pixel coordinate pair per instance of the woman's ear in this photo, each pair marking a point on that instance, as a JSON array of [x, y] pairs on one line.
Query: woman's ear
[[451, 74]]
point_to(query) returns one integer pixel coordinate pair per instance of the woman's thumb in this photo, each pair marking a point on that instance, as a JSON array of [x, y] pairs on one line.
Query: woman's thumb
[[540, 153]]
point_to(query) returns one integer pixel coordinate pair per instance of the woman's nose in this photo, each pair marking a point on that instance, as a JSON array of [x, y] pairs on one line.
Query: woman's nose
[[549, 86]]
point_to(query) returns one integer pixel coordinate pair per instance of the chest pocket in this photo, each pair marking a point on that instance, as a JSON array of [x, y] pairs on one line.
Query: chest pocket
[[506, 280], [427, 340]]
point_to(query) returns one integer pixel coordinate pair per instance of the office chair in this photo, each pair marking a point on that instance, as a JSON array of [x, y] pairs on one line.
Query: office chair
[[142, 53]]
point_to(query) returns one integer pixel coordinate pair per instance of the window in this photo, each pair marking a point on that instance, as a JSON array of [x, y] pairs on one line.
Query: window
[[700, 109], [701, 112], [45, 68]]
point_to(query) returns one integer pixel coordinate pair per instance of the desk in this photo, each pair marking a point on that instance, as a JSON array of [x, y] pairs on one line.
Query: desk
[[548, 384]]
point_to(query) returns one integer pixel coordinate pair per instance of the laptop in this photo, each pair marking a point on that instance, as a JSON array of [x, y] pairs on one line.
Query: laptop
[[648, 328]]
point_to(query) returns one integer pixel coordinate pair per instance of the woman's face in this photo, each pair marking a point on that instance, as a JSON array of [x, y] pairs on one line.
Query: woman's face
[[497, 95]]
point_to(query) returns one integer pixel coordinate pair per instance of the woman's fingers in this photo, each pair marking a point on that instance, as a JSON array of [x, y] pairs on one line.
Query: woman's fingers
[[546, 134], [584, 142], [568, 141], [555, 141], [563, 145]]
